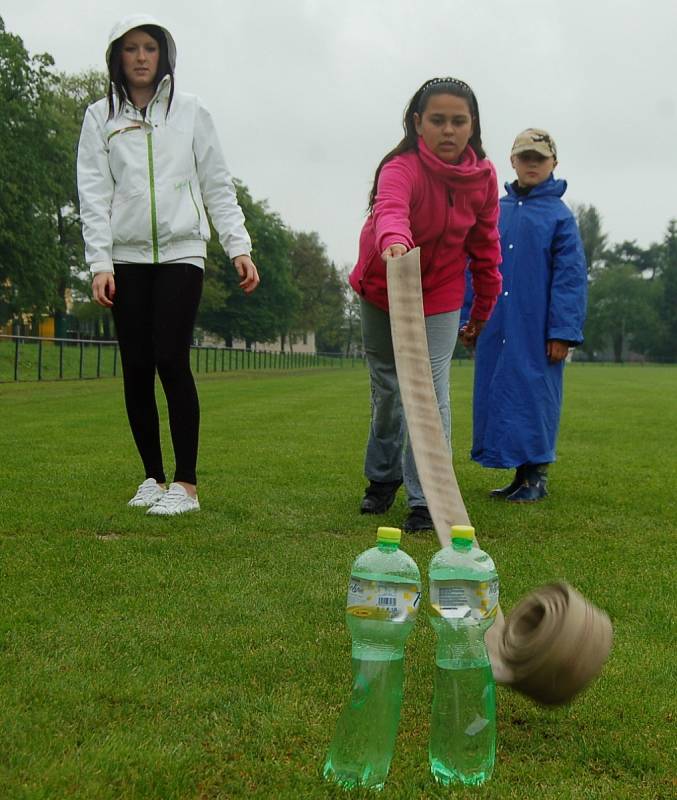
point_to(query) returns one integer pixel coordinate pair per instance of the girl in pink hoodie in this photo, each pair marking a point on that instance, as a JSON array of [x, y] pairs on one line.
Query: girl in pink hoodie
[[436, 190]]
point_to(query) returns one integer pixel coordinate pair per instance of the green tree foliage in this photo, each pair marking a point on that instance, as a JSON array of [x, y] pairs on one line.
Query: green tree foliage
[[321, 292], [70, 98], [28, 258], [590, 227], [666, 346], [40, 116], [271, 309], [619, 309], [633, 300], [351, 327]]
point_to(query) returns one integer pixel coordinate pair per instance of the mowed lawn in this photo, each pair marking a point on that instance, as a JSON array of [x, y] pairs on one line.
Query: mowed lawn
[[206, 657]]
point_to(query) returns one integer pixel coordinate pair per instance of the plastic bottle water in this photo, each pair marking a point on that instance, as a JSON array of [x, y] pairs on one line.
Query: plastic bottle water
[[464, 602], [383, 598]]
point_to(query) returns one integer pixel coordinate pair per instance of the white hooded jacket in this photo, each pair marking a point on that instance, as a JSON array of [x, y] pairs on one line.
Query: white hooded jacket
[[144, 182]]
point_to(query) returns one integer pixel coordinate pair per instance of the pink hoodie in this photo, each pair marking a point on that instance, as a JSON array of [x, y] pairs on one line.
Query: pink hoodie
[[450, 211]]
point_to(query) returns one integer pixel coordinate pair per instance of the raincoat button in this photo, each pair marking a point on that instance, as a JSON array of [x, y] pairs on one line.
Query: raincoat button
[[510, 246], [505, 294]]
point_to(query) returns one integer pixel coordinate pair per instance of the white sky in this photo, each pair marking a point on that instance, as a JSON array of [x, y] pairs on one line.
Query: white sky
[[308, 95]]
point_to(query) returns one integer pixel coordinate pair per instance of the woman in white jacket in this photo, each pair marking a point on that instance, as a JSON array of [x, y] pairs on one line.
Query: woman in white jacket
[[149, 162]]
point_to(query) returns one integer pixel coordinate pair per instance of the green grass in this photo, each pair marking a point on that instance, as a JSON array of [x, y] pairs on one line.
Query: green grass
[[206, 657]]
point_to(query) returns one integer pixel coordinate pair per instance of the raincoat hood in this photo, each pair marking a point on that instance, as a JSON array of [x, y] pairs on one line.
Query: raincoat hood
[[135, 21]]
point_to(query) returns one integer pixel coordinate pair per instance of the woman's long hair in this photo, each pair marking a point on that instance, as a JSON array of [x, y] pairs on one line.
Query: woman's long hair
[[417, 105], [118, 82]]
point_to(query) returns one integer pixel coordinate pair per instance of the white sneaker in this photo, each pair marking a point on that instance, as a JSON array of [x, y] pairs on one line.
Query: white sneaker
[[148, 493], [175, 500]]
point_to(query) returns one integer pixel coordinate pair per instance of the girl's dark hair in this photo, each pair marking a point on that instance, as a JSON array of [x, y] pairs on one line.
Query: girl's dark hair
[[118, 82], [417, 105]]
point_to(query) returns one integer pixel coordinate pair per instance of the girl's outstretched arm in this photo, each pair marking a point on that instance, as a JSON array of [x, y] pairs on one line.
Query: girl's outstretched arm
[[391, 209]]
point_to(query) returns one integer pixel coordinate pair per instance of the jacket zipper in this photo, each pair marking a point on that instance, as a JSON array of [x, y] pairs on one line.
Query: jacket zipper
[[151, 178], [153, 209]]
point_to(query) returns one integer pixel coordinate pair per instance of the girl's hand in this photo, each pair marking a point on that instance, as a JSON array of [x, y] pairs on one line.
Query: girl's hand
[[103, 289], [469, 332], [394, 251], [246, 269], [557, 350]]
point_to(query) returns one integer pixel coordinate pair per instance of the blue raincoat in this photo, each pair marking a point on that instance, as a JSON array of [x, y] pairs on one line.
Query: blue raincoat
[[518, 392]]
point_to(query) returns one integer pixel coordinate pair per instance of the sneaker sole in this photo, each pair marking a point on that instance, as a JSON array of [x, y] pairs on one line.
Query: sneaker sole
[[143, 503], [171, 513]]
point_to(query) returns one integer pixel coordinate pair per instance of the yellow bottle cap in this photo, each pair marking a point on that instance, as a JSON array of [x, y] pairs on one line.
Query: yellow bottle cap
[[393, 535], [463, 532]]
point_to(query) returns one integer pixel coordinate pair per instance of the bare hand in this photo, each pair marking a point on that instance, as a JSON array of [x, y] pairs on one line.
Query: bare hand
[[246, 269], [557, 350], [394, 251], [103, 289], [469, 332]]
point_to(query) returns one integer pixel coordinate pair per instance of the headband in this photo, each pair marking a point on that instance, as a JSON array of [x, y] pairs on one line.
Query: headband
[[453, 81]]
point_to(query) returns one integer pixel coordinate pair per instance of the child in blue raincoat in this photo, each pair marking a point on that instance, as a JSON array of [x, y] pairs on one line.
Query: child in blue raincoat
[[539, 315]]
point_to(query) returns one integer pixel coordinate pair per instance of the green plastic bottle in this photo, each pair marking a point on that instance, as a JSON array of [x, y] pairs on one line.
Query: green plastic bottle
[[464, 602], [383, 598]]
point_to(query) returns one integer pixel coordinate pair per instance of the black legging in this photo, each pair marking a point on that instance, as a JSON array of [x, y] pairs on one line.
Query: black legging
[[154, 309]]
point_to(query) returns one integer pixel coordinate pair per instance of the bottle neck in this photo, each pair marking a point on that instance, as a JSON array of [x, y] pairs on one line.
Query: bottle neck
[[387, 547], [462, 545]]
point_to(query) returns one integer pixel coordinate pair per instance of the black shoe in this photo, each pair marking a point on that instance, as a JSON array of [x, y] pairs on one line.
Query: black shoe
[[501, 494], [378, 497], [534, 485], [419, 520]]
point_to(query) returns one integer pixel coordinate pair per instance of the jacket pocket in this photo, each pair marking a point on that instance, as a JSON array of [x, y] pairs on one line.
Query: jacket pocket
[[130, 218], [180, 211]]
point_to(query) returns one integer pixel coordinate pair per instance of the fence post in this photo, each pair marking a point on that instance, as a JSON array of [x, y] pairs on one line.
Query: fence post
[[82, 357], [40, 360], [60, 360]]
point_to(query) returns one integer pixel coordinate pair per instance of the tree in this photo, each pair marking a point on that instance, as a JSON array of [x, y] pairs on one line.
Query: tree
[[667, 299], [270, 310], [619, 309], [351, 332], [28, 256], [330, 330], [590, 227], [320, 290], [40, 116], [70, 97]]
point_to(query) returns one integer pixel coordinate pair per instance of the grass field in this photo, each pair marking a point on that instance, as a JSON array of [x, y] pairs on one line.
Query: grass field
[[206, 657]]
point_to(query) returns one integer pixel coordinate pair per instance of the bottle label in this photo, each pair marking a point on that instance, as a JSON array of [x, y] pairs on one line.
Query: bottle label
[[381, 600], [454, 599]]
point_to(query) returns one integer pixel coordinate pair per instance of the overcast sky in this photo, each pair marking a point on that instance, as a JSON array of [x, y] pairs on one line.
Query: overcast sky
[[308, 95]]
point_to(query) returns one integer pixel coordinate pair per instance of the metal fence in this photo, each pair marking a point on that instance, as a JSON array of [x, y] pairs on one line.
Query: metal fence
[[37, 358]]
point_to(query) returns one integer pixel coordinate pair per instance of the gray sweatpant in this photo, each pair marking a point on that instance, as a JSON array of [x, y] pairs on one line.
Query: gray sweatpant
[[387, 458]]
